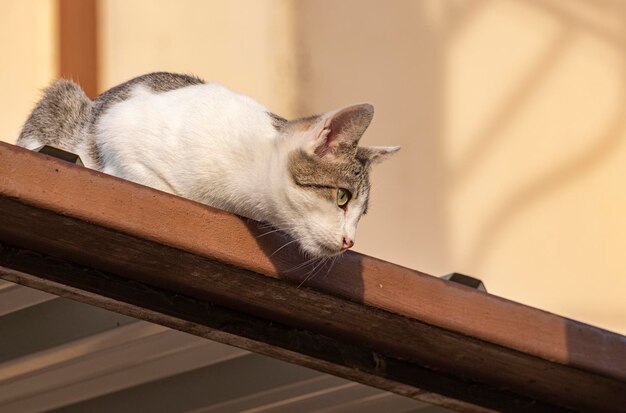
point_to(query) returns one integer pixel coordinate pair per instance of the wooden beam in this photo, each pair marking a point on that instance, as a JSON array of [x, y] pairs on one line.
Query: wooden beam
[[78, 43], [101, 240]]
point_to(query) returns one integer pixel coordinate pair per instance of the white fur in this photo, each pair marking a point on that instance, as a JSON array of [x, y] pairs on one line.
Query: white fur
[[209, 144]]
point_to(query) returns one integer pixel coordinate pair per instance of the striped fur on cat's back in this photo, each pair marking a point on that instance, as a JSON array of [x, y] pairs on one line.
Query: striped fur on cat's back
[[65, 117]]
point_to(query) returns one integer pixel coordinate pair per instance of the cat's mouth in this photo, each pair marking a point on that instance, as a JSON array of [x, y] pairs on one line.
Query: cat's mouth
[[325, 250], [316, 245]]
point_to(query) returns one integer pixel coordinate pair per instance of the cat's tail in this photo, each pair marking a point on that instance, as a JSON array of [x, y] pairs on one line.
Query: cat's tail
[[59, 119]]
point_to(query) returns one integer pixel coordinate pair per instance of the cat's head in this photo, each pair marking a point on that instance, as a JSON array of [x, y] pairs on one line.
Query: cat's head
[[327, 184]]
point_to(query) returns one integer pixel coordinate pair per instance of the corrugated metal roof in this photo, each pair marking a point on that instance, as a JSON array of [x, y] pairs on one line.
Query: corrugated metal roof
[[63, 356]]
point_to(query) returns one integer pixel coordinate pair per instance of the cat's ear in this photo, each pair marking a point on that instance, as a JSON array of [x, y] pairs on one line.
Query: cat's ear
[[375, 154], [338, 132]]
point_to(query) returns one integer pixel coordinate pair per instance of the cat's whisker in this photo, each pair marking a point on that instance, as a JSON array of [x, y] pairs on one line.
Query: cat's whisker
[[265, 225], [299, 240], [269, 232], [321, 262], [328, 259], [275, 229], [312, 273], [302, 265], [306, 277], [288, 243], [330, 267]]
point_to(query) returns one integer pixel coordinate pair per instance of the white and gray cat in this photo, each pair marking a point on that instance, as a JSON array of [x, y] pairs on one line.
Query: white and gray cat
[[204, 142]]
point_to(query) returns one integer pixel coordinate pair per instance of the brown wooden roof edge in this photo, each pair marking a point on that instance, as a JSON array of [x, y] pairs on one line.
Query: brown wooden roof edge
[[105, 223]]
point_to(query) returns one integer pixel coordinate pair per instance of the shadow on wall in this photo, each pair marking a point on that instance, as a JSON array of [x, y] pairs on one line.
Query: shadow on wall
[[515, 103], [392, 57]]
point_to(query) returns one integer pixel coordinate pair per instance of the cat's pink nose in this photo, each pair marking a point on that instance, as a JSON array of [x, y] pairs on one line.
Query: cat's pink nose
[[347, 243]]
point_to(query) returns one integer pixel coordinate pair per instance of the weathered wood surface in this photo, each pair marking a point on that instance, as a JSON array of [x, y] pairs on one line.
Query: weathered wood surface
[[175, 262]]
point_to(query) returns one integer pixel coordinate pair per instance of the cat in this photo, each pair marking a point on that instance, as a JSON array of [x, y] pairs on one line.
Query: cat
[[202, 141]]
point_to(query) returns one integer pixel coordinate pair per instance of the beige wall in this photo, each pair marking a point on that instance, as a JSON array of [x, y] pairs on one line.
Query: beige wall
[[511, 115], [535, 158], [27, 45], [246, 45]]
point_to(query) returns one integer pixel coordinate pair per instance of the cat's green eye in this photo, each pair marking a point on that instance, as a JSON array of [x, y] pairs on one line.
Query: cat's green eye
[[343, 196]]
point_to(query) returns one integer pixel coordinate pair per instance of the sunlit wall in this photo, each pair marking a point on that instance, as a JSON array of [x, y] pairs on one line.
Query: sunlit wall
[[511, 115], [28, 62]]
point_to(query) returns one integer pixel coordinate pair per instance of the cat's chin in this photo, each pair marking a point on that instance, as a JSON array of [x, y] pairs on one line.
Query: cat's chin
[[321, 250]]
